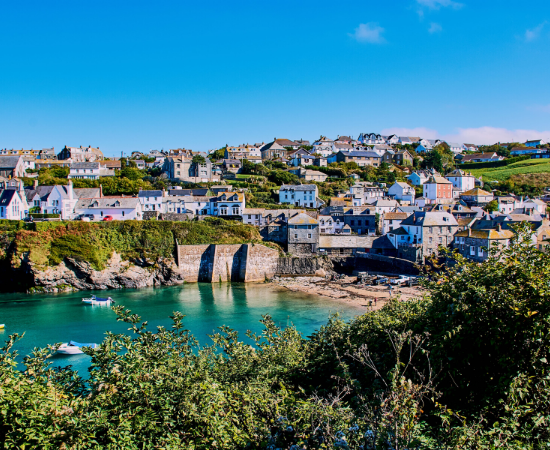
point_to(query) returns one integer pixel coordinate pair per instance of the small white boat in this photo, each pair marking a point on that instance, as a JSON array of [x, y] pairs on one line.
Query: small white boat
[[98, 300], [73, 348]]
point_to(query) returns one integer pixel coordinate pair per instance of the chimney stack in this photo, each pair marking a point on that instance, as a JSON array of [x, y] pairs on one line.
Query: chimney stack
[[35, 183], [100, 191]]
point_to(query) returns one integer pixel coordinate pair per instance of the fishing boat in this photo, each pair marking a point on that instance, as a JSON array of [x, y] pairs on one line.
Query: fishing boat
[[73, 348], [98, 300]]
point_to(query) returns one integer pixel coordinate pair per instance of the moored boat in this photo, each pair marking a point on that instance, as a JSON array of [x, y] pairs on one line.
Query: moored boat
[[98, 300], [73, 348], [1, 326]]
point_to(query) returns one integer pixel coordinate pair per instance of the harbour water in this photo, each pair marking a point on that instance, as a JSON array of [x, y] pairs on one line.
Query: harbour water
[[52, 318]]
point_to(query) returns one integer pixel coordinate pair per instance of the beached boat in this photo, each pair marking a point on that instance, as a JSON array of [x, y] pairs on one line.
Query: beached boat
[[98, 300], [73, 348]]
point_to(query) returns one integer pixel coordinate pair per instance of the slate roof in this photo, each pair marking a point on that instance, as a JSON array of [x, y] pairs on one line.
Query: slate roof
[[150, 193], [107, 202], [9, 162], [6, 197], [361, 153], [84, 165], [427, 219], [87, 192], [184, 192], [298, 187]]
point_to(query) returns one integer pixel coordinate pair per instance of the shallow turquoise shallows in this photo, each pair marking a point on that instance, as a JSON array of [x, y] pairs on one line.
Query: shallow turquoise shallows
[[52, 318]]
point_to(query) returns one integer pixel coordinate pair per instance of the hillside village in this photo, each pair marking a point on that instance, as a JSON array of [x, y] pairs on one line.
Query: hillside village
[[396, 196]]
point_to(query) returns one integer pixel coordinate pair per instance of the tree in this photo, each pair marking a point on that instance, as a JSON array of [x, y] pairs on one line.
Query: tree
[[491, 207], [433, 160], [198, 159]]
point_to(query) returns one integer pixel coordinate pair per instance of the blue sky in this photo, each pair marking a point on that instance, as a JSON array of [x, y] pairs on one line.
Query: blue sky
[[142, 75]]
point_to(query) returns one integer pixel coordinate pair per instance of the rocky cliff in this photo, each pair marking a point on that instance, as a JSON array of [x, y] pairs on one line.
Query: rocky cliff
[[72, 274]]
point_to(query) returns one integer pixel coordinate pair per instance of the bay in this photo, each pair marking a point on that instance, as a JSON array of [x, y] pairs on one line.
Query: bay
[[53, 318]]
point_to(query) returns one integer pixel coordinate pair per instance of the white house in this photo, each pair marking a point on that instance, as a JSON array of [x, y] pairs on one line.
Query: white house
[[383, 206], [402, 192], [89, 171], [371, 139], [119, 208], [405, 140], [13, 204], [323, 146], [455, 148], [199, 205], [305, 195], [151, 200], [330, 225], [392, 221], [535, 143], [228, 204], [462, 181]]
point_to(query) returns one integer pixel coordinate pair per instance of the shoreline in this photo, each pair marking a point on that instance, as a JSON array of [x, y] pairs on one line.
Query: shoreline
[[371, 297]]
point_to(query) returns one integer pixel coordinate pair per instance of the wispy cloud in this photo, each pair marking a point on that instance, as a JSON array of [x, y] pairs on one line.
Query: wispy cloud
[[491, 135], [435, 28], [533, 33], [369, 32], [434, 5], [437, 4], [539, 108], [480, 135]]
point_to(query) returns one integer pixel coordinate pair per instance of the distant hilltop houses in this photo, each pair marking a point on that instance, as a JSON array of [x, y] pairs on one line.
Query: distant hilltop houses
[[340, 195]]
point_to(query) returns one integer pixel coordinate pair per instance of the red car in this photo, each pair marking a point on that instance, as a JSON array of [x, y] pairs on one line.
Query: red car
[[107, 218]]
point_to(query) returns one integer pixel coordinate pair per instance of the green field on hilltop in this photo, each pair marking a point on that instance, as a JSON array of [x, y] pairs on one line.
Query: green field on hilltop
[[532, 171]]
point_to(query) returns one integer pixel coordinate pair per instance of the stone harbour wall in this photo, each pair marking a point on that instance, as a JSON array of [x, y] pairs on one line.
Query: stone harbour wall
[[238, 262]]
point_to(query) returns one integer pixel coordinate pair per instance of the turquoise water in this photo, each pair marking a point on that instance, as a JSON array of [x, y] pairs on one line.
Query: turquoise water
[[52, 318]]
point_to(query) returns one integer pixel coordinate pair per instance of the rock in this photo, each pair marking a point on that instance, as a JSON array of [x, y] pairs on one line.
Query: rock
[[72, 274]]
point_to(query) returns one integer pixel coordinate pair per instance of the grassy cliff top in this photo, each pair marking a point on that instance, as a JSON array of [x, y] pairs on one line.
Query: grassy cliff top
[[47, 243]]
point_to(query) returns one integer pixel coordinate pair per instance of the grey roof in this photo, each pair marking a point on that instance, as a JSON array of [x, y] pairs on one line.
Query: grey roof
[[150, 193], [9, 162], [361, 153], [183, 192], [86, 192], [409, 209], [107, 202], [6, 196], [44, 192], [84, 165], [420, 219], [29, 194], [298, 187]]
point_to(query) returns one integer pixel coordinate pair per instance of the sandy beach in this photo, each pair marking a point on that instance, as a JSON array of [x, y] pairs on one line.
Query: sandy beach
[[347, 290]]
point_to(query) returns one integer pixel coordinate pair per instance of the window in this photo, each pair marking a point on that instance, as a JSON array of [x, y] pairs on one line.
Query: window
[[472, 250], [430, 241], [122, 213], [441, 240], [441, 230], [295, 236], [480, 251], [309, 236]]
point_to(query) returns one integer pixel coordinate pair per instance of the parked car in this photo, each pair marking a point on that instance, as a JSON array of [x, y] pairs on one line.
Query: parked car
[[107, 218], [402, 279], [381, 280], [85, 217]]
